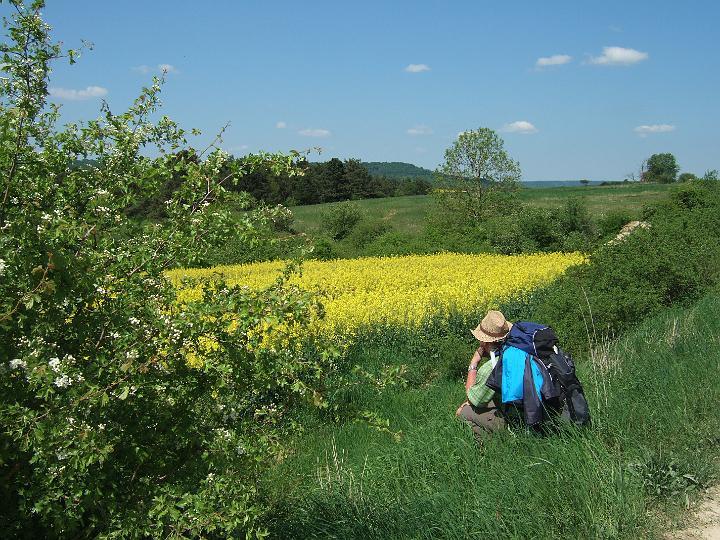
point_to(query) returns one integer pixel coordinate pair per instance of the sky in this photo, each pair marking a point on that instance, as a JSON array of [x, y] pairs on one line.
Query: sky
[[576, 89]]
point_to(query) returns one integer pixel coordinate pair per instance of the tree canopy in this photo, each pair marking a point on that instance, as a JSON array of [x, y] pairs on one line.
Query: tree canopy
[[661, 168], [477, 172]]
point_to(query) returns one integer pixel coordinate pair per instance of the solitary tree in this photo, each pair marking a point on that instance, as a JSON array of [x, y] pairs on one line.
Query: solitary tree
[[585, 182], [479, 173], [661, 168]]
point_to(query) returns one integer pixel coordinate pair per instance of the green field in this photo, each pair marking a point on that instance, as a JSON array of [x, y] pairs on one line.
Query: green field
[[408, 214], [651, 446]]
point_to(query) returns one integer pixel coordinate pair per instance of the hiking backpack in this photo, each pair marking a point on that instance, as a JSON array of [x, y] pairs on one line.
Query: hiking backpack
[[541, 342]]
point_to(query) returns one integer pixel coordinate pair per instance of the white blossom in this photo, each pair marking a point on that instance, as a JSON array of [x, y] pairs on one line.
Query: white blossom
[[133, 321], [63, 381], [17, 363], [55, 364], [3, 266]]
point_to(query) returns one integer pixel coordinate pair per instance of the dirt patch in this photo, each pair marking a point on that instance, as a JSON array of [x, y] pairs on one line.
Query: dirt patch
[[705, 521]]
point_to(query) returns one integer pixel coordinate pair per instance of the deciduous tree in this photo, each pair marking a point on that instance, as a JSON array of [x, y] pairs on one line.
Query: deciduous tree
[[478, 174], [661, 168]]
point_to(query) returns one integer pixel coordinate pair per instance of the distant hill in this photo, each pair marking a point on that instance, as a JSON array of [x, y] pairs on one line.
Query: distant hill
[[397, 169], [555, 183]]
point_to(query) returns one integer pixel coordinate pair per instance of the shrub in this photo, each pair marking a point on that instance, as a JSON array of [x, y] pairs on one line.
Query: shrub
[[541, 226], [674, 261], [611, 223], [340, 219], [127, 412], [280, 217], [324, 249], [506, 236], [396, 243], [574, 216], [366, 232]]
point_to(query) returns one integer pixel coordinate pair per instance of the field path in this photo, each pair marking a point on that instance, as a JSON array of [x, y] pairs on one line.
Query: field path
[[705, 521]]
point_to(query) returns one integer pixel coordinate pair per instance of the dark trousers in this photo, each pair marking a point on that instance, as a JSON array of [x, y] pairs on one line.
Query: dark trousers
[[483, 420]]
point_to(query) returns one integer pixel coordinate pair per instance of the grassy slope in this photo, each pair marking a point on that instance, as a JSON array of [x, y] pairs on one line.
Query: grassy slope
[[655, 429], [408, 213]]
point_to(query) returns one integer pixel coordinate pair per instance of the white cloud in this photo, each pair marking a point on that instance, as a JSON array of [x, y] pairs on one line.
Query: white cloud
[[167, 68], [644, 131], [520, 126], [554, 60], [280, 125], [238, 148], [78, 95], [420, 130], [314, 132], [619, 56], [417, 68], [160, 68]]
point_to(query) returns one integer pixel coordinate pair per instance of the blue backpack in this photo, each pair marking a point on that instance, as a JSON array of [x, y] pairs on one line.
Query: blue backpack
[[532, 338], [541, 342]]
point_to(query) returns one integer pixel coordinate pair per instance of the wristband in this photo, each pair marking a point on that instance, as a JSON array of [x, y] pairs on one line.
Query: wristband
[[472, 368]]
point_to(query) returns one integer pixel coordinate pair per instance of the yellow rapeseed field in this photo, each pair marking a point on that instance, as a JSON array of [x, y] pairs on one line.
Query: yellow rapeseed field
[[400, 290]]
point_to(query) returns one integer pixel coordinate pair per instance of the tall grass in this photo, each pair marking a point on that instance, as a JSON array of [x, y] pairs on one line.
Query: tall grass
[[654, 396]]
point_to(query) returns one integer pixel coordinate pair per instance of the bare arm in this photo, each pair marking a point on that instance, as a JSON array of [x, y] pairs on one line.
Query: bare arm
[[472, 370]]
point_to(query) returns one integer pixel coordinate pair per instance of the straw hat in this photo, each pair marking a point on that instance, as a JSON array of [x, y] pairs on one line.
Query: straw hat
[[493, 327]]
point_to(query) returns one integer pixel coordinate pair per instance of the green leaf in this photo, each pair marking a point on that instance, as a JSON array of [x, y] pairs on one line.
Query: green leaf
[[124, 394]]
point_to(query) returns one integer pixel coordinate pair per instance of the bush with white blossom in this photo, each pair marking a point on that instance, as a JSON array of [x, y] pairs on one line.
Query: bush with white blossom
[[124, 412]]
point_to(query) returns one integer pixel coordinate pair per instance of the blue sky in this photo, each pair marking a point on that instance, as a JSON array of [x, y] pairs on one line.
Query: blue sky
[[396, 81]]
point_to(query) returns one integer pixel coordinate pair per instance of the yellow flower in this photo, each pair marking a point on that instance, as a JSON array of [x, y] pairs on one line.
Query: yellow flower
[[405, 290]]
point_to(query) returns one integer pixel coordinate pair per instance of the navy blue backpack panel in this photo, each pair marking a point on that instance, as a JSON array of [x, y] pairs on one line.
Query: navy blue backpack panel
[[532, 338]]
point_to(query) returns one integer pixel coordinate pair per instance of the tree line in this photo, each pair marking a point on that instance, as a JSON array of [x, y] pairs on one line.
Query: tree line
[[317, 182], [663, 169], [329, 181]]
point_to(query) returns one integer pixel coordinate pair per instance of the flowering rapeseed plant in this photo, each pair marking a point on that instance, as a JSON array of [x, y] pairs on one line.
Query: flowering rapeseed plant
[[361, 293]]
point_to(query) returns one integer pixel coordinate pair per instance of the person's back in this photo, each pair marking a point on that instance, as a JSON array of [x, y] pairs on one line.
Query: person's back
[[527, 380]]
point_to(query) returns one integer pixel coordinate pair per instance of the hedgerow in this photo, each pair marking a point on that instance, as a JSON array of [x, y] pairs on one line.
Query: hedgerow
[[673, 261], [124, 412]]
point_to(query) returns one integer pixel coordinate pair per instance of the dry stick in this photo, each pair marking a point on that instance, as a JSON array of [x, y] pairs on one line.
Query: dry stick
[[193, 210], [85, 237], [217, 138], [210, 191]]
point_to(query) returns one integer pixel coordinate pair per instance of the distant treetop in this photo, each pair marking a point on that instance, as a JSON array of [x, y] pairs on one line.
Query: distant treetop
[[397, 169]]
